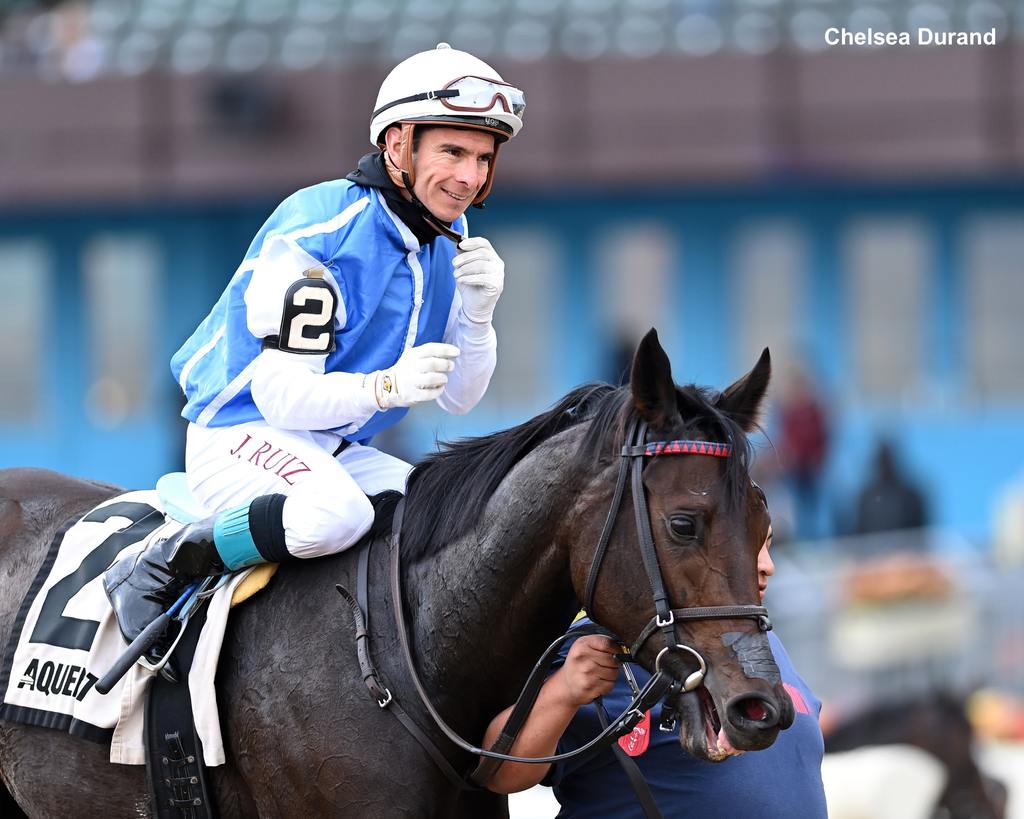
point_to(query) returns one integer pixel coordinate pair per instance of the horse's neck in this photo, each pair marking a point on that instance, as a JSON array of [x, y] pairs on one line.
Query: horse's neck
[[489, 603]]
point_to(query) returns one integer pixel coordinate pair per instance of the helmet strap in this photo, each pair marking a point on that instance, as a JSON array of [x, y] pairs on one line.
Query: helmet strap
[[408, 176], [486, 189]]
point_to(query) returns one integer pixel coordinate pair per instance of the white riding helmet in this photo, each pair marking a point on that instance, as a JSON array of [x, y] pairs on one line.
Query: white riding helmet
[[445, 86]]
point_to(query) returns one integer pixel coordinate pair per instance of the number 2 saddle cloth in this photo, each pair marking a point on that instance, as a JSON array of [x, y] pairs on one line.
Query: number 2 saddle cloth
[[66, 636]]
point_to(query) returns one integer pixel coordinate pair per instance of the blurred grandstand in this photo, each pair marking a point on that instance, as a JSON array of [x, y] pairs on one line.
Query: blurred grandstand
[[84, 40], [710, 168]]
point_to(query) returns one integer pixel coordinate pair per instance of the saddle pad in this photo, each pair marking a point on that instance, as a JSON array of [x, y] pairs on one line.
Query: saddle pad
[[254, 580], [66, 637]]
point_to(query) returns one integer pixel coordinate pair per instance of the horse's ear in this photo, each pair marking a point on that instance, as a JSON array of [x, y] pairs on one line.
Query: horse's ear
[[654, 391], [742, 401]]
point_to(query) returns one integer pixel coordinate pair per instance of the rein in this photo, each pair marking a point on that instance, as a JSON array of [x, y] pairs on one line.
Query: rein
[[655, 689], [661, 683]]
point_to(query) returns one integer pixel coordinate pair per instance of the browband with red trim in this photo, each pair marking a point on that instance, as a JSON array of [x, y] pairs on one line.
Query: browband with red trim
[[712, 448]]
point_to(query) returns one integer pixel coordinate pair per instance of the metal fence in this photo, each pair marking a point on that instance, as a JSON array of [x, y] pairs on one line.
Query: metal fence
[[856, 647]]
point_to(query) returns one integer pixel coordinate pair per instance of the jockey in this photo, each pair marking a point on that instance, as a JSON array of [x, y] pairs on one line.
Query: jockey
[[359, 298]]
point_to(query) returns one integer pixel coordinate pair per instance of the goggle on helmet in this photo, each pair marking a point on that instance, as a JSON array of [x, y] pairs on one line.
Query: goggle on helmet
[[471, 95]]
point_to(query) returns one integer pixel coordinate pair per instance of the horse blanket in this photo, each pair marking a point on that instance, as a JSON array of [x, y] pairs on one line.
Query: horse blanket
[[66, 637]]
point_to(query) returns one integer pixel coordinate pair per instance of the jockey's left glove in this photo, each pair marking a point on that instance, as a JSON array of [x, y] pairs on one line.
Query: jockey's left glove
[[480, 276], [419, 375]]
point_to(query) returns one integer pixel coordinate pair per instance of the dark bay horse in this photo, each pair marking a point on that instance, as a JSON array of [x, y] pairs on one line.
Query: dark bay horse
[[498, 537]]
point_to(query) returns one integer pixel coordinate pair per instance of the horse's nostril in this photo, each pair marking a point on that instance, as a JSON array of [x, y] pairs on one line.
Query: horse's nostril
[[753, 709]]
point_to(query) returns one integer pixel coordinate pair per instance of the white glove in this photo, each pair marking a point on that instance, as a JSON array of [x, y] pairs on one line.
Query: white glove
[[419, 375], [480, 276]]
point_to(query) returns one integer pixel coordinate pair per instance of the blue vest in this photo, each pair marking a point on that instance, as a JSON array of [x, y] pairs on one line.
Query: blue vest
[[781, 782], [387, 282]]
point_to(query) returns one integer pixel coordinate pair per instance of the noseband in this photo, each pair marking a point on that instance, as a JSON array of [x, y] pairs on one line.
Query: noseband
[[635, 449]]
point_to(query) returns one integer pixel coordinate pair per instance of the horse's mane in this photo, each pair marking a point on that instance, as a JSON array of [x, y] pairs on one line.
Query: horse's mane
[[448, 490]]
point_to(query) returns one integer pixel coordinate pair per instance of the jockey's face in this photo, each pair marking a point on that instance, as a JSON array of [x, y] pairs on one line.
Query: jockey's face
[[451, 168]]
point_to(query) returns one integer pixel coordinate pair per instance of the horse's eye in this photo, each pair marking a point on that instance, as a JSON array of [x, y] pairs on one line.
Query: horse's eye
[[683, 526]]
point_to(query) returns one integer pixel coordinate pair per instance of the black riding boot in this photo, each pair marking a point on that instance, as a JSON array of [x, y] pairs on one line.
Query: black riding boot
[[141, 587]]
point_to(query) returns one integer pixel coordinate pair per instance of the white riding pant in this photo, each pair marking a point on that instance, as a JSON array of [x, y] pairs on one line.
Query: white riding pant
[[326, 509]]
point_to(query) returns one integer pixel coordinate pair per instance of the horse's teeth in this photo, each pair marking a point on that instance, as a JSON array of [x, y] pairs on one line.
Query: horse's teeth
[[726, 747]]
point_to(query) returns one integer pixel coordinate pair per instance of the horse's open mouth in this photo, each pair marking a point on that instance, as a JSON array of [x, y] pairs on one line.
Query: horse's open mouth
[[718, 745]]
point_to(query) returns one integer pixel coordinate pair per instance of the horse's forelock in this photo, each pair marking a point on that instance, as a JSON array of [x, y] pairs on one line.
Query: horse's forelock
[[703, 420]]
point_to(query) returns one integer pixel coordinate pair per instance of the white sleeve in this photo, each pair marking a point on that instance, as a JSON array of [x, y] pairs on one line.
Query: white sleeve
[[281, 263], [292, 391], [478, 347]]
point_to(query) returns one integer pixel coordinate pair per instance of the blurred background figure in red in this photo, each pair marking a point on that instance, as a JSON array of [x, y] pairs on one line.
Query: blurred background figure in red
[[803, 445]]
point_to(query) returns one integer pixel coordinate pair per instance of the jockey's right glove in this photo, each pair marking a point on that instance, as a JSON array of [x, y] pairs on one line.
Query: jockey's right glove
[[419, 375]]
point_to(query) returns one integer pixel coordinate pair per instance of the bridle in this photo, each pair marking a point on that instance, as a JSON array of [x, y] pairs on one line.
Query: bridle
[[662, 683], [635, 449]]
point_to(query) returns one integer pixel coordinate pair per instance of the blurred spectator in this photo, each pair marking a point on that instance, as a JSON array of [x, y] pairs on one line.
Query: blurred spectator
[[803, 448], [620, 358], [889, 499]]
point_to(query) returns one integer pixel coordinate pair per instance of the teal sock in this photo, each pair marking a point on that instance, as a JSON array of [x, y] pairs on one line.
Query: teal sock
[[233, 539]]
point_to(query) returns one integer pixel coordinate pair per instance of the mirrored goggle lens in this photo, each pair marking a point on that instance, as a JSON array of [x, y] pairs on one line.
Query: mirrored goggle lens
[[478, 94]]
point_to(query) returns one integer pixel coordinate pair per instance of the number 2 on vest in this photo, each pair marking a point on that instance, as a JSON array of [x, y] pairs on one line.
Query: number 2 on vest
[[307, 325]]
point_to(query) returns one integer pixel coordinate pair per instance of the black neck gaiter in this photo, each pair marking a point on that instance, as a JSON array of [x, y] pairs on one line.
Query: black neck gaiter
[[371, 173]]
